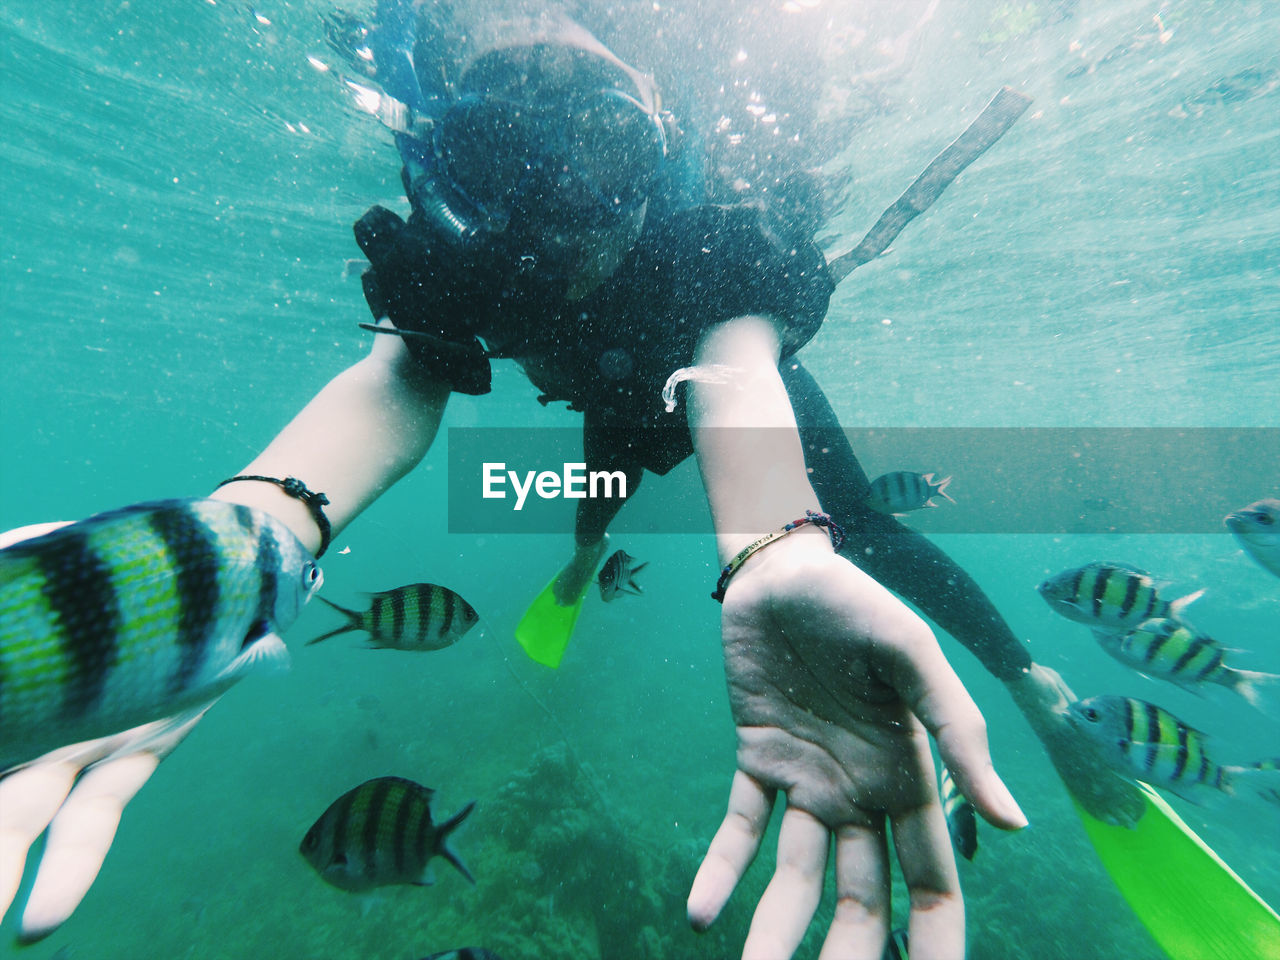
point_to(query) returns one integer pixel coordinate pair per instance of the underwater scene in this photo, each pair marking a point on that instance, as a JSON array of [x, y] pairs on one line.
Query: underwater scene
[[180, 277]]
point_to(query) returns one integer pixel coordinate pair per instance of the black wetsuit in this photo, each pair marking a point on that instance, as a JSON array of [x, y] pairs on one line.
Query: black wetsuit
[[613, 350]]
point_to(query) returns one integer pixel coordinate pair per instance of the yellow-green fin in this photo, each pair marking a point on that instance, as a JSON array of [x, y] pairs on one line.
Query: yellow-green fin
[[1192, 903], [547, 625]]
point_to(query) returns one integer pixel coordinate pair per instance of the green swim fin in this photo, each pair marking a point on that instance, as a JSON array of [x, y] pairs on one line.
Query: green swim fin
[[547, 625], [1192, 903]]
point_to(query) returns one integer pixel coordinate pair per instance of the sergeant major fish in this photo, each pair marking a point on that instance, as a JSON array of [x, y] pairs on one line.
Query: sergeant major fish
[[1142, 740], [421, 616], [903, 490], [1173, 651], [962, 820], [137, 614], [1110, 596], [1257, 528], [618, 576], [381, 833]]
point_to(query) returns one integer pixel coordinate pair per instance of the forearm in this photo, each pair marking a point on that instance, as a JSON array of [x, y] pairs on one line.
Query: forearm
[[745, 437], [364, 430]]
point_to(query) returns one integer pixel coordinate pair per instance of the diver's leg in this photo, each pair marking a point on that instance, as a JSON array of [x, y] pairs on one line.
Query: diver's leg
[[898, 557]]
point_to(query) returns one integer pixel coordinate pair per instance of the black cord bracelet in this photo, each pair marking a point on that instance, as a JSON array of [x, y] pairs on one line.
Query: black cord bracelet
[[295, 488]]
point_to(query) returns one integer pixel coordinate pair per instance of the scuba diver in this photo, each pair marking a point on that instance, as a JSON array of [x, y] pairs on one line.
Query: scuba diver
[[552, 222]]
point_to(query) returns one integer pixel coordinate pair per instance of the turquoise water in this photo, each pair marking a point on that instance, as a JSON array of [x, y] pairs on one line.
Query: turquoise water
[[179, 185]]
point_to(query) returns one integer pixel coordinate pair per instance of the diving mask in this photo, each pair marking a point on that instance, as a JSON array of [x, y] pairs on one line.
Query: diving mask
[[583, 160]]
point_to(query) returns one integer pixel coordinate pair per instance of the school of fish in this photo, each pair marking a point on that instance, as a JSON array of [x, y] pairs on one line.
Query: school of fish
[[1139, 627]]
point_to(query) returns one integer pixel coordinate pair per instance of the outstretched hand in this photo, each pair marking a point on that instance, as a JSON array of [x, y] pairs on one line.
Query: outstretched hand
[[79, 793], [834, 685]]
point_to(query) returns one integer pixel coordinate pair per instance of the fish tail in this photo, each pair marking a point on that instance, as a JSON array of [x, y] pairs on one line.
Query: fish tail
[[1246, 683], [941, 489], [354, 622], [1181, 604], [631, 580], [442, 840], [1261, 779]]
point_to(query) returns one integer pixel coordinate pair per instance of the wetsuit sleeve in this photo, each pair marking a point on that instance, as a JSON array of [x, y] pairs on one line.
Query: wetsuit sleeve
[[403, 284]]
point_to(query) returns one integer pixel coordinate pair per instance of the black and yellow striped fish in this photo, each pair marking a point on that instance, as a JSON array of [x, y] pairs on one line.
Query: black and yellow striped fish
[[962, 819], [1174, 651], [420, 616], [1110, 596], [137, 614], [381, 833], [905, 490], [1149, 743]]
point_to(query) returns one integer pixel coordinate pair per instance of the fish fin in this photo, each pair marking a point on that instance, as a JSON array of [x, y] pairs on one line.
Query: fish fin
[[941, 489], [930, 505], [1260, 779], [428, 878], [1176, 608], [268, 651], [353, 622], [442, 839], [632, 586], [1246, 683]]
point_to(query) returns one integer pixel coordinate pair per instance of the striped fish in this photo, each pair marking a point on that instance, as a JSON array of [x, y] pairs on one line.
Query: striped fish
[[962, 820], [137, 614], [381, 833], [1173, 651], [903, 490], [1257, 528], [618, 575], [1144, 741], [421, 616], [1110, 596]]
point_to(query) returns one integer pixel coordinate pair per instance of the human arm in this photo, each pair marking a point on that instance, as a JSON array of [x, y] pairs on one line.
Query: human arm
[[833, 683], [363, 431]]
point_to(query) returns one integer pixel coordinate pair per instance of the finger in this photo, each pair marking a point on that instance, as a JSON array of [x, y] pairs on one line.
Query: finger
[[79, 838], [925, 680], [792, 896], [29, 798], [732, 850], [936, 927], [863, 896]]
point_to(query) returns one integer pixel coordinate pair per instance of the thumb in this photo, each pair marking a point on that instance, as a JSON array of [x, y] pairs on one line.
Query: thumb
[[929, 686]]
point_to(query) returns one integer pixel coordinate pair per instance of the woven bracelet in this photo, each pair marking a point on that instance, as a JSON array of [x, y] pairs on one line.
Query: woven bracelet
[[810, 517], [295, 488]]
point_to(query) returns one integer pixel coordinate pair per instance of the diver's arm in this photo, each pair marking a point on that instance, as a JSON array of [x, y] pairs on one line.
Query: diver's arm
[[833, 684], [745, 435], [368, 427]]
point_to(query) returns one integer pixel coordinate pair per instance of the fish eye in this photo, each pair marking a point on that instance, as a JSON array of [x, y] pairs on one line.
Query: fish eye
[[1091, 714], [310, 575], [310, 840], [1264, 518]]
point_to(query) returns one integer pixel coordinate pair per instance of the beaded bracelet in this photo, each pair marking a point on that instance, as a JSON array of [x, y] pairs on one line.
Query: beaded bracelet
[[817, 519], [298, 490]]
